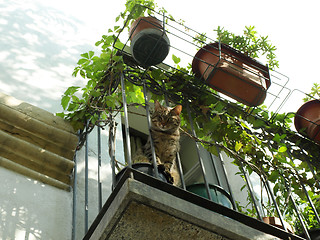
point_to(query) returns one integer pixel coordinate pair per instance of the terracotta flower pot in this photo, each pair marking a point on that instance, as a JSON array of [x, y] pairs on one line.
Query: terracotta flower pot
[[149, 43], [275, 221], [307, 120], [218, 194], [232, 73]]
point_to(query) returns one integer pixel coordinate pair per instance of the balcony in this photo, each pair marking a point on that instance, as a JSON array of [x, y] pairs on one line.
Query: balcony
[[142, 206]]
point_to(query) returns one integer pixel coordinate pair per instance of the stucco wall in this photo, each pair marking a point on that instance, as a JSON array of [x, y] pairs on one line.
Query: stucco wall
[[32, 210]]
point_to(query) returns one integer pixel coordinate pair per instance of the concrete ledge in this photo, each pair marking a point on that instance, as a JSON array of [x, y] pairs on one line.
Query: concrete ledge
[[140, 211]]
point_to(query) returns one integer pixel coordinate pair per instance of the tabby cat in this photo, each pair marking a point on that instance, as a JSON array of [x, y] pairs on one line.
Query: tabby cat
[[165, 123]]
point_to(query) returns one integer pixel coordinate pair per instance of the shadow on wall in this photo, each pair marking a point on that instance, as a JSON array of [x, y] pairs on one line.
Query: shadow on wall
[[29, 210], [39, 47]]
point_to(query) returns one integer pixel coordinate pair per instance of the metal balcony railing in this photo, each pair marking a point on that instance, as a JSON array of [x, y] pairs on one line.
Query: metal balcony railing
[[216, 174]]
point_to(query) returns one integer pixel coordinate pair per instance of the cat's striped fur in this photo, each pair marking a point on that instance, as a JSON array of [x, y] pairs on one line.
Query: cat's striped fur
[[165, 123]]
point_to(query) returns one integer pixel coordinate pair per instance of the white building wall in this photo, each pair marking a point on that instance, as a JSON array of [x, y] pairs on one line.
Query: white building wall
[[32, 210]]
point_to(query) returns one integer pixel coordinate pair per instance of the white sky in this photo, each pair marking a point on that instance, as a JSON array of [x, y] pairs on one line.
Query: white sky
[[292, 26]]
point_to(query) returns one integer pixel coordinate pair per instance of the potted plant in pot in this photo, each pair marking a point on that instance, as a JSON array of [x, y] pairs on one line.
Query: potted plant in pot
[[307, 120], [149, 42], [232, 69], [217, 193], [275, 221], [146, 168]]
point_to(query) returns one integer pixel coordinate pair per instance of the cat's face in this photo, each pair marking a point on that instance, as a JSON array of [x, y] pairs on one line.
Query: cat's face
[[166, 119]]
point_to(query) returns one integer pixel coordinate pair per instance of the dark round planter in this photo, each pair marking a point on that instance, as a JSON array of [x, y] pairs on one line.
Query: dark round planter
[[146, 168], [307, 120], [232, 73], [149, 43], [218, 194]]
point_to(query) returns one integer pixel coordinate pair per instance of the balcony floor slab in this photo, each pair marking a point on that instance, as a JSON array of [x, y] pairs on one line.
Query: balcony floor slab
[[140, 211]]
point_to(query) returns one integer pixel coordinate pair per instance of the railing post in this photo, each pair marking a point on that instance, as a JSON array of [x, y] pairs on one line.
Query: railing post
[[297, 212], [269, 190], [178, 160], [154, 157], [74, 193], [112, 148], [99, 168], [226, 176], [311, 203], [199, 155], [250, 190], [86, 204], [126, 123]]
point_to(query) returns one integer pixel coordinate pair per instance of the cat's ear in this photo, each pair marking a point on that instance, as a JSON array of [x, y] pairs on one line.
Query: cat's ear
[[157, 105], [177, 110]]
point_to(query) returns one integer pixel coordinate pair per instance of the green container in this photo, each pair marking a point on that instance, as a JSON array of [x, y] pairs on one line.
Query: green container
[[218, 194]]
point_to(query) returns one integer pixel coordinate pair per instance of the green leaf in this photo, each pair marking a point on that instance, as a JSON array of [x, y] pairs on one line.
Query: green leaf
[[282, 149], [274, 176], [238, 146], [95, 93], [62, 115], [85, 55], [175, 59], [91, 53], [277, 138], [244, 125], [98, 43], [156, 73], [71, 90], [65, 101], [82, 61], [213, 150], [119, 45]]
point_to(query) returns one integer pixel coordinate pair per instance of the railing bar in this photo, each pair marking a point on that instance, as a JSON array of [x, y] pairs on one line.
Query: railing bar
[[266, 182], [199, 155], [126, 123], [269, 190], [314, 174], [215, 170], [226, 177], [250, 190], [86, 181], [305, 190], [74, 198], [297, 212], [111, 148], [154, 158], [99, 168], [178, 160], [311, 203]]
